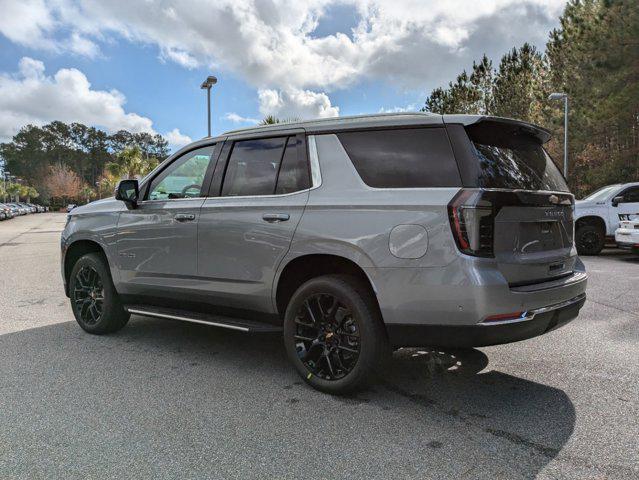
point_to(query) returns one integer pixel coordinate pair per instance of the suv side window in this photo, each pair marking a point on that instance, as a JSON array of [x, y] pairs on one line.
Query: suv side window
[[631, 195], [265, 166], [402, 158], [293, 175], [184, 177]]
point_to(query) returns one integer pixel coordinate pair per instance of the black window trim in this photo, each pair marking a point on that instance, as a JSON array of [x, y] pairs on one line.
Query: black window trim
[[217, 182]]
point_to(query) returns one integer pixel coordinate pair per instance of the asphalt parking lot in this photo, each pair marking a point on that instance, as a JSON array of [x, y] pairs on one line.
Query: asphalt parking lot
[[163, 399]]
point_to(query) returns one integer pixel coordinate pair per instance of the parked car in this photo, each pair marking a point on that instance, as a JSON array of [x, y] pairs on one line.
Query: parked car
[[627, 235], [3, 215], [8, 211], [598, 215], [348, 236], [30, 207], [19, 209], [70, 207]]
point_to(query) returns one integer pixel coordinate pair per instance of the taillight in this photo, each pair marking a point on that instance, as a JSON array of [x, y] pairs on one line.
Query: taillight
[[472, 221]]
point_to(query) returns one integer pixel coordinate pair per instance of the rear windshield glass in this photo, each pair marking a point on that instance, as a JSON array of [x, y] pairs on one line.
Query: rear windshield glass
[[402, 158], [513, 159]]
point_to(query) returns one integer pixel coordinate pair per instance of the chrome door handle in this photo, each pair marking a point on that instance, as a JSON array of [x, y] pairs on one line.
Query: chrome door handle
[[275, 217], [184, 217]]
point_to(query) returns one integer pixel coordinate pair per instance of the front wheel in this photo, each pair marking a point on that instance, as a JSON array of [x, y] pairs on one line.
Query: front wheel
[[95, 303], [334, 335], [589, 240]]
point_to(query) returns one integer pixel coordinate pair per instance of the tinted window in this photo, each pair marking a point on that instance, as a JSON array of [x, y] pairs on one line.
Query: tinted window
[[511, 158], [631, 195], [253, 166], [402, 158], [293, 175], [183, 178]]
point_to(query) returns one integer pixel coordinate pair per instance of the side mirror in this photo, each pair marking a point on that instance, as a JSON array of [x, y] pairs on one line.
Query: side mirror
[[617, 200], [128, 191]]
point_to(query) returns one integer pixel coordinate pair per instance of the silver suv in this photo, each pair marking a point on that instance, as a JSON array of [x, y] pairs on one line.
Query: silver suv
[[349, 236]]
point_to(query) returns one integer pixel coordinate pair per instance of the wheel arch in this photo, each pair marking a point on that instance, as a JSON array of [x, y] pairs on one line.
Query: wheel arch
[[301, 269], [74, 252], [595, 220]]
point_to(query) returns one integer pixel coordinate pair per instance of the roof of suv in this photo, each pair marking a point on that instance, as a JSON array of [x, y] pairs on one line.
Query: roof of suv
[[380, 120], [358, 122]]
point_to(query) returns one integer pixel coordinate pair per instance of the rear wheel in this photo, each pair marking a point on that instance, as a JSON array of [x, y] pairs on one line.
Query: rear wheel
[[95, 303], [589, 240], [334, 334]]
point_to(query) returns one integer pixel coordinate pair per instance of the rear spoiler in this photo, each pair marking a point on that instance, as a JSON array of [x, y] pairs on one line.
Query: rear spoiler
[[536, 131]]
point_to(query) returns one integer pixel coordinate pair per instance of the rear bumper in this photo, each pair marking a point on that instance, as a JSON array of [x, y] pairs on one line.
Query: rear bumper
[[537, 322], [627, 238]]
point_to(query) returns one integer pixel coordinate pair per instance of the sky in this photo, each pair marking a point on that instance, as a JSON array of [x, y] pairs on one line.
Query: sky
[[138, 64]]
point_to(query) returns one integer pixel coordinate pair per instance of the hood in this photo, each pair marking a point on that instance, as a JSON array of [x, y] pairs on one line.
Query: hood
[[104, 205]]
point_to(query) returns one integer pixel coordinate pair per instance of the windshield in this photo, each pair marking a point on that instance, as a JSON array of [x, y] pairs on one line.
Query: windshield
[[602, 193], [512, 158]]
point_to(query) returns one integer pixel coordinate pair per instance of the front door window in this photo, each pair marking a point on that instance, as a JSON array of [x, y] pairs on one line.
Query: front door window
[[183, 178]]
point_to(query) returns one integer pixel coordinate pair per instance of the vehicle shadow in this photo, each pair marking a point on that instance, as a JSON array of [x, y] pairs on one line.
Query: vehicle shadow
[[458, 384], [165, 387], [620, 254]]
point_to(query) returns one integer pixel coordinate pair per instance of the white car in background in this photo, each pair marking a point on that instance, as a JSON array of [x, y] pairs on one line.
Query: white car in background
[[627, 235], [598, 215]]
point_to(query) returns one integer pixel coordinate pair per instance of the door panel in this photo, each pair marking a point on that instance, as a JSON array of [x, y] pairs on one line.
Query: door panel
[[245, 234], [157, 241], [157, 246], [241, 243]]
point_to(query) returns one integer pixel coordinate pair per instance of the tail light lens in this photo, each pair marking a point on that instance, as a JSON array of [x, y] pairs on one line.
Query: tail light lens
[[472, 220]]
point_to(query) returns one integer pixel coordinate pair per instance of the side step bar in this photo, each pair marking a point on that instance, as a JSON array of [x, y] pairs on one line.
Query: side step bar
[[240, 325]]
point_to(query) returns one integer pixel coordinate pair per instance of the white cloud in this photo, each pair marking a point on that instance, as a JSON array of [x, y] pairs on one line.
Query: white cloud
[[408, 44], [235, 118], [30, 96], [177, 139], [412, 107], [296, 103]]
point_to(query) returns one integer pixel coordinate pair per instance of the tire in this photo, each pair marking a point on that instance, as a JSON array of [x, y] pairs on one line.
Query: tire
[[590, 240], [94, 301], [328, 362]]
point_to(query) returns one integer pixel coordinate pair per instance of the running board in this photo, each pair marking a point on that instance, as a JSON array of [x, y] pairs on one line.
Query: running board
[[240, 325]]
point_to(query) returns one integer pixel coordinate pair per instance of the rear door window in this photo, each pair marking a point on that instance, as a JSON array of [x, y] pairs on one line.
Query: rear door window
[[402, 158], [293, 175], [511, 158], [253, 166]]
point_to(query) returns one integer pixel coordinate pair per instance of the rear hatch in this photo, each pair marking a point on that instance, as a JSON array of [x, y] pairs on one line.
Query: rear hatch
[[516, 207]]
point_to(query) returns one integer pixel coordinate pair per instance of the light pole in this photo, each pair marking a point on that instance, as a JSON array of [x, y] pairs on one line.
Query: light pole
[[564, 97], [206, 85], [7, 173]]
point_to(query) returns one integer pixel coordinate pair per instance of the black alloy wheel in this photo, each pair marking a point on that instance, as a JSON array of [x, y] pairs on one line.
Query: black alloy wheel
[[327, 337], [88, 295], [589, 240]]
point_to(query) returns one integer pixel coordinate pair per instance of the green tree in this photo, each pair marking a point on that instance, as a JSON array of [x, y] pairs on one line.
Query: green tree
[[519, 87], [272, 120], [31, 194], [594, 57], [14, 190], [85, 150], [131, 163], [87, 193]]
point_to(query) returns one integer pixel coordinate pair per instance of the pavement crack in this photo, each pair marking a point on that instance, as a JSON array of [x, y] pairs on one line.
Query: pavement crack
[[614, 307]]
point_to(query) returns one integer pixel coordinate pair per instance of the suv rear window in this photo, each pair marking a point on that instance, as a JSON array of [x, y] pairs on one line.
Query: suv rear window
[[511, 158], [402, 158]]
